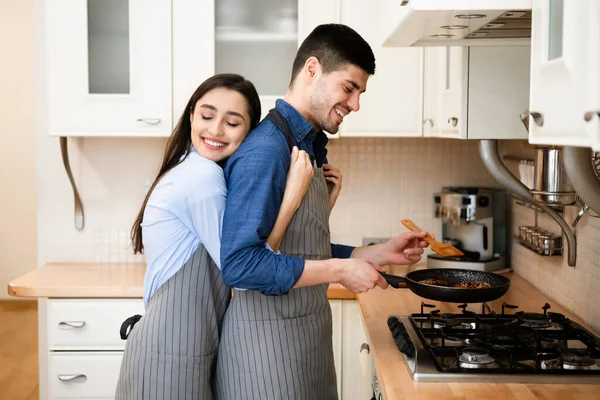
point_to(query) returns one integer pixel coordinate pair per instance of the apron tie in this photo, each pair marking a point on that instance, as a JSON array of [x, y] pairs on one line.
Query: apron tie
[[129, 323]]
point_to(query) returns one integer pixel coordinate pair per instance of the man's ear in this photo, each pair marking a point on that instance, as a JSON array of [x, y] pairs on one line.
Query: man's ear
[[312, 69]]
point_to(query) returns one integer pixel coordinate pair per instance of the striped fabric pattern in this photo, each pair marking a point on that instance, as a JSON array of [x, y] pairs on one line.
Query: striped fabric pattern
[[171, 352], [280, 347]]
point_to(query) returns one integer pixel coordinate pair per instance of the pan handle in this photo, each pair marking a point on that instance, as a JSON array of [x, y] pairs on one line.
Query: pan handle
[[395, 281]]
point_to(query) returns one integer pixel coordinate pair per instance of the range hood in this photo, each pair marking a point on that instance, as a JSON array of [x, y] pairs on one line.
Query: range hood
[[461, 23]]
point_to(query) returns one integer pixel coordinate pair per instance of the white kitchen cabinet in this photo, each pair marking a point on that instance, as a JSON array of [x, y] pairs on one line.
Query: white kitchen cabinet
[[84, 375], [476, 93], [193, 42], [80, 355], [337, 317], [560, 61], [108, 67], [259, 39], [356, 369], [392, 104], [592, 109], [445, 87]]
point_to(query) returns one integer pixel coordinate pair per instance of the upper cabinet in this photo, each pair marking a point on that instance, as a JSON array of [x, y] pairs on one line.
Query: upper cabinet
[[592, 107], [258, 39], [561, 72], [108, 67], [476, 93], [392, 104]]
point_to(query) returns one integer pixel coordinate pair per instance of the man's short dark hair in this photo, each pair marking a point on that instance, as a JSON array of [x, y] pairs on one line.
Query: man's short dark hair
[[335, 46]]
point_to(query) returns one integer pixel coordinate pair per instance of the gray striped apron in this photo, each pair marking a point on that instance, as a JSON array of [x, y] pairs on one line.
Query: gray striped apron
[[280, 347], [171, 352]]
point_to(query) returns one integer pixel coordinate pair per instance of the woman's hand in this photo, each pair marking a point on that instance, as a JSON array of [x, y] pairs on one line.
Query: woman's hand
[[333, 175], [298, 178]]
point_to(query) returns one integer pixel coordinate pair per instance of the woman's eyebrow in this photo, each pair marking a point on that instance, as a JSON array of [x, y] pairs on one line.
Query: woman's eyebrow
[[234, 113]]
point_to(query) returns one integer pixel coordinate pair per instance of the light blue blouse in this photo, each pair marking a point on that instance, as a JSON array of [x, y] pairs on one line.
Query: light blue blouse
[[185, 209]]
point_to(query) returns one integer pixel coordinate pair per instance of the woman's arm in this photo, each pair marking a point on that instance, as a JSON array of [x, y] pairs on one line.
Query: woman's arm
[[298, 181]]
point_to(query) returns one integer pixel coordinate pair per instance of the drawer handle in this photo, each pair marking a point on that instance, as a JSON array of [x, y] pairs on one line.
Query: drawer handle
[[149, 121], [538, 117], [453, 121], [590, 114], [429, 121], [77, 378], [66, 325], [366, 347]]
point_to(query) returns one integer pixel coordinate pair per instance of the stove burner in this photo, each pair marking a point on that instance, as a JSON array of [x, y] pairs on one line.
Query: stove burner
[[444, 320], [449, 320], [534, 320], [578, 361], [473, 357]]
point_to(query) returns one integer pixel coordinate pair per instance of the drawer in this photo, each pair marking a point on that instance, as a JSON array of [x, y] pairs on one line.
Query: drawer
[[89, 324], [84, 375]]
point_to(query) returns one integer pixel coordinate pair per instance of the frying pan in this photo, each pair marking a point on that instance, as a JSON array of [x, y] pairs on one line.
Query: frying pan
[[498, 284]]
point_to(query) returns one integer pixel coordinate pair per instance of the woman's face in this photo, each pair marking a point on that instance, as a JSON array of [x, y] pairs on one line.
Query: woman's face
[[220, 122]]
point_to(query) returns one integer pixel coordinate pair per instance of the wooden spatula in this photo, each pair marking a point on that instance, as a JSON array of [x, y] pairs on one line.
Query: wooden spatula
[[443, 249]]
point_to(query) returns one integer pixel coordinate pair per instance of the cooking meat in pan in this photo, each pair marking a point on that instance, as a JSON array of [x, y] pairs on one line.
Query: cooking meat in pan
[[460, 285]]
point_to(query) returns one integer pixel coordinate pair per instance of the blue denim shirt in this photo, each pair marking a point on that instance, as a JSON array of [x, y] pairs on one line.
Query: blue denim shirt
[[256, 176]]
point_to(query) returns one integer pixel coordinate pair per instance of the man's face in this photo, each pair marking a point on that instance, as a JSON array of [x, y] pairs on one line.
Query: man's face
[[335, 95]]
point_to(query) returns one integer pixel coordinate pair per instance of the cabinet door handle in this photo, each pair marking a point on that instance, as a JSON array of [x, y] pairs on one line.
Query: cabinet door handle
[[66, 325], [149, 121], [366, 347], [538, 117], [590, 114], [78, 378], [453, 121], [429, 121]]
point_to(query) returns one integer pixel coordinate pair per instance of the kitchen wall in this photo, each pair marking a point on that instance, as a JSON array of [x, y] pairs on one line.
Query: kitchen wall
[[384, 180], [18, 243], [578, 289]]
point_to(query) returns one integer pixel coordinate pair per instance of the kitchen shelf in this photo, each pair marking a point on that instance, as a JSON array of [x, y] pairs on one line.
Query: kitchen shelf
[[556, 252]]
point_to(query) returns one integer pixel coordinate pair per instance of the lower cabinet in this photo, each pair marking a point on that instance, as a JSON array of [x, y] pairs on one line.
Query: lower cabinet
[[81, 351], [83, 375], [81, 354]]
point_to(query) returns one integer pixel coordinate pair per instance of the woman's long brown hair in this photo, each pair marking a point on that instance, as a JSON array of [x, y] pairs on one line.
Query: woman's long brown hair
[[180, 141]]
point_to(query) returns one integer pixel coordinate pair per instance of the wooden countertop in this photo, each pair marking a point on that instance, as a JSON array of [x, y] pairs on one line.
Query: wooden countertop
[[92, 280], [392, 372]]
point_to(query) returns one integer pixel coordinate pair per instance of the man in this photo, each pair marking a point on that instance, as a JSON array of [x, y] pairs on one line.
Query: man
[[280, 347]]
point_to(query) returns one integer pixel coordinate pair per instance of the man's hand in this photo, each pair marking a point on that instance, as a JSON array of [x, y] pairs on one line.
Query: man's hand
[[403, 249], [360, 275]]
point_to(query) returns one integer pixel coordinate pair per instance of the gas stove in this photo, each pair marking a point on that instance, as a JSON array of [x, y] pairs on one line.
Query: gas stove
[[513, 346]]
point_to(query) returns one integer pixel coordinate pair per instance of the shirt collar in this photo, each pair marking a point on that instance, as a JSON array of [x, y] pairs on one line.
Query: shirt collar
[[299, 125]]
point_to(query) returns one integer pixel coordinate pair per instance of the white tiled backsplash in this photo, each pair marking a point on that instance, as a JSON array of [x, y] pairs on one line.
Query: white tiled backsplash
[[578, 288], [384, 180], [388, 179]]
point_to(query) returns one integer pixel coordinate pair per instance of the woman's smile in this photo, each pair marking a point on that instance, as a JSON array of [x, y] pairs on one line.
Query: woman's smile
[[213, 144]]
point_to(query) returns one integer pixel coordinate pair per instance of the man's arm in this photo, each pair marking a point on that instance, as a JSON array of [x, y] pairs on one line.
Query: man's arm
[[256, 179]]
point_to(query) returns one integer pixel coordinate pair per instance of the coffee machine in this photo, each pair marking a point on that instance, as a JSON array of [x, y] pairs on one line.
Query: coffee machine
[[475, 220]]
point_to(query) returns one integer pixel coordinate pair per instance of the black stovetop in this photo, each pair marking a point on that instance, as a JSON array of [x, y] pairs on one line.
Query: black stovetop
[[510, 342]]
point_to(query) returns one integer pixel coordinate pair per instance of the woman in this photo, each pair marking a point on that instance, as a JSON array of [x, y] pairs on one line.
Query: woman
[[172, 350]]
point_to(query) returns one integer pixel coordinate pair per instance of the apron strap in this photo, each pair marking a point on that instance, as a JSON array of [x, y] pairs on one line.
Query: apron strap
[[280, 122], [128, 325]]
